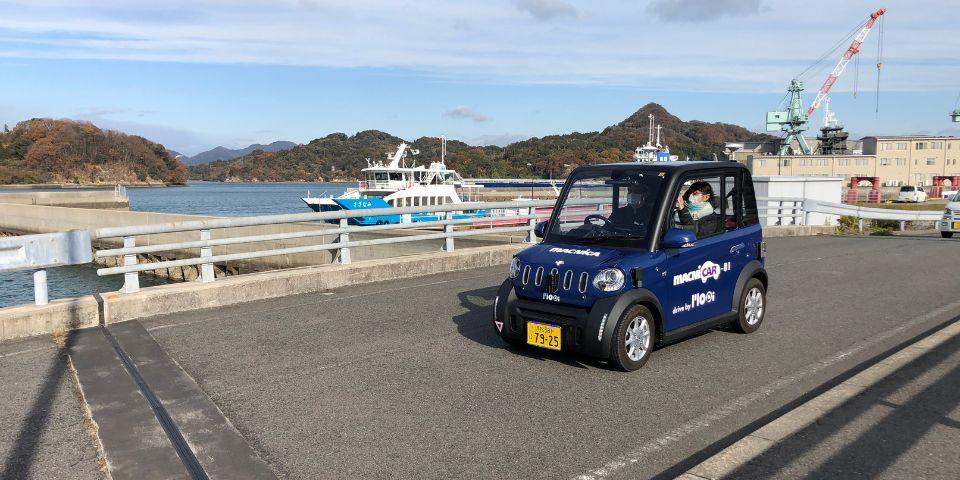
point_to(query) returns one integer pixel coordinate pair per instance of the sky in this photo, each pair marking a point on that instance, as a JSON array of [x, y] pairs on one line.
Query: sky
[[200, 73]]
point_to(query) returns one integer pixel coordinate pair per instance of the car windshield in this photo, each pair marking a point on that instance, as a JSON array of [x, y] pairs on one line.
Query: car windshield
[[906, 189], [956, 198], [612, 208]]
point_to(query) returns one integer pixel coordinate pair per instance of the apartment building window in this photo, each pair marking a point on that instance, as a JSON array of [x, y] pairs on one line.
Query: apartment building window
[[843, 162], [884, 162], [936, 145], [901, 145], [824, 162], [861, 162], [921, 145], [901, 161], [785, 162], [885, 146], [762, 162], [931, 161]]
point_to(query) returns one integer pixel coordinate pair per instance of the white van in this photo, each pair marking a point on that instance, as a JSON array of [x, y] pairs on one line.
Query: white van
[[910, 193], [950, 223]]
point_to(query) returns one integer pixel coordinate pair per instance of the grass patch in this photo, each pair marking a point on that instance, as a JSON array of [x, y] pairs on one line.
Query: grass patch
[[931, 205]]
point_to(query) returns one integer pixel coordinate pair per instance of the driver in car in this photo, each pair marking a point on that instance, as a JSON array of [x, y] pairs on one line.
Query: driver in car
[[635, 212]]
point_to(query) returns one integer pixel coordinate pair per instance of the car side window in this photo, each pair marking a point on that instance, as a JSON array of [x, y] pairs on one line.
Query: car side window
[[698, 206], [731, 198], [748, 215]]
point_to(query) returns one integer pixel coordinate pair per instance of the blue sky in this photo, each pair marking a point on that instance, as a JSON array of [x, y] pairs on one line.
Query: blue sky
[[196, 74]]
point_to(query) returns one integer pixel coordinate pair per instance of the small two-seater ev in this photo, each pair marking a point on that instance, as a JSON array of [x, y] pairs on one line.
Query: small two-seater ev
[[637, 255]]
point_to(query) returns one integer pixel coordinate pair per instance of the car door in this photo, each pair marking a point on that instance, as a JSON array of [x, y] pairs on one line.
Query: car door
[[701, 278]]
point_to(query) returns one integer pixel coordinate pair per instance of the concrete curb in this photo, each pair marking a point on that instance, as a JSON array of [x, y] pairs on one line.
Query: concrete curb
[[113, 307], [731, 458]]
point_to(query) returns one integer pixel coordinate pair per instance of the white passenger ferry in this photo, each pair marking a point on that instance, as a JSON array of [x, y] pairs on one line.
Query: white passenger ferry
[[395, 184], [653, 152]]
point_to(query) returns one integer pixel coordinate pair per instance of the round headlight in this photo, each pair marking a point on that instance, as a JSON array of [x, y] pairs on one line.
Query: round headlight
[[608, 280], [515, 267]]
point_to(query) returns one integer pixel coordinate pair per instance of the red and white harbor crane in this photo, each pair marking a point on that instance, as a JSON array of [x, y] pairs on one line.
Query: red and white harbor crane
[[793, 120]]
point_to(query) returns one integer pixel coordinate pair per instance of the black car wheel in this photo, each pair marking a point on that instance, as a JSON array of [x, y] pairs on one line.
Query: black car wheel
[[633, 339], [753, 305]]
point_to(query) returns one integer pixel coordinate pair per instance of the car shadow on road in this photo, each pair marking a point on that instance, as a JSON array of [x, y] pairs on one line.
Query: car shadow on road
[[476, 324]]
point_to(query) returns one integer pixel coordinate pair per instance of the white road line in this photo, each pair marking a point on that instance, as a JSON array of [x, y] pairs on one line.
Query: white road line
[[21, 352], [740, 403], [332, 298]]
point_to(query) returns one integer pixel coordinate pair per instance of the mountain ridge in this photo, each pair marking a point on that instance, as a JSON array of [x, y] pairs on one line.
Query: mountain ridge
[[224, 153], [338, 156]]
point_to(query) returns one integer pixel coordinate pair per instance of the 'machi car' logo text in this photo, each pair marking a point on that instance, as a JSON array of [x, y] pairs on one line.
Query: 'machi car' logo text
[[576, 251], [703, 273]]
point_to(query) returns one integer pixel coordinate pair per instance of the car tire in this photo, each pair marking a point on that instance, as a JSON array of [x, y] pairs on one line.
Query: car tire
[[633, 339], [946, 234], [753, 305]]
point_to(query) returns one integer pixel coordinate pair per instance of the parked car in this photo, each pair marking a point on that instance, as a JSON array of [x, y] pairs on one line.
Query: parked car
[[950, 223], [637, 255], [909, 193], [948, 194]]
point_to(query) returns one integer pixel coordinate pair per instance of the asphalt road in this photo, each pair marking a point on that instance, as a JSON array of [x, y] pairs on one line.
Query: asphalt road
[[41, 424], [407, 379]]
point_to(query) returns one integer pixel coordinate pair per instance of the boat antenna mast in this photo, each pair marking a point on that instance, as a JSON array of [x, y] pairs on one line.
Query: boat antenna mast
[[793, 120], [955, 115]]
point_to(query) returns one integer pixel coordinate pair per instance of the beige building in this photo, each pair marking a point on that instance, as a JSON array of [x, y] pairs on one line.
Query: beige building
[[906, 160]]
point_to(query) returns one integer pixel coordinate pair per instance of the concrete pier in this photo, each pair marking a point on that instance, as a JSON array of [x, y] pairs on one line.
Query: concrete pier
[[99, 199]]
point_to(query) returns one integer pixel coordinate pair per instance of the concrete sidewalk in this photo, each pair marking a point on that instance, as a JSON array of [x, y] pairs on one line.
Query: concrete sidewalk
[[897, 419]]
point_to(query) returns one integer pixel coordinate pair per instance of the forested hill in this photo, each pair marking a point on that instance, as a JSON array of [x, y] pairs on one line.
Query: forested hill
[[341, 157], [42, 150]]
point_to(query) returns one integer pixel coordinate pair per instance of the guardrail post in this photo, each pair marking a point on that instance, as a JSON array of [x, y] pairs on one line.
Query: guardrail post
[[344, 238], [131, 281], [40, 292], [448, 230], [860, 224], [531, 236], [206, 269], [903, 225]]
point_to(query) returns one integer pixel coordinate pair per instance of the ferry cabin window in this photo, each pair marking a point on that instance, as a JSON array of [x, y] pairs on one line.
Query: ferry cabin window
[[396, 176], [380, 176]]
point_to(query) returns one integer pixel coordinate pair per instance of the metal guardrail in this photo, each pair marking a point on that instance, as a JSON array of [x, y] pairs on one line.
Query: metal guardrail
[[525, 215], [861, 213], [39, 252]]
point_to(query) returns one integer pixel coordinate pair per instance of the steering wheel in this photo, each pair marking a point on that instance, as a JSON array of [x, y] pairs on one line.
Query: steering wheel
[[606, 221]]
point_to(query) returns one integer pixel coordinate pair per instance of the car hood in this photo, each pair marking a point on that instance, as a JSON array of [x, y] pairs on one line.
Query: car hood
[[572, 263]]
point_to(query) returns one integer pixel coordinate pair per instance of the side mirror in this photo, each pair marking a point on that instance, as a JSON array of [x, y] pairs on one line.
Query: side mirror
[[678, 238], [540, 229]]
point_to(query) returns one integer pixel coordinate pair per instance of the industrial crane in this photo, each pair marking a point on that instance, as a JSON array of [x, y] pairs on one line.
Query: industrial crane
[[793, 120]]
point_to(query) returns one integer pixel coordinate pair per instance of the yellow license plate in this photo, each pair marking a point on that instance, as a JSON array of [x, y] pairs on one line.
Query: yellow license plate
[[543, 335], [956, 225]]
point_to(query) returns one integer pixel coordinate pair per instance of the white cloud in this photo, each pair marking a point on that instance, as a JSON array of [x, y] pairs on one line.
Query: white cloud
[[703, 10], [547, 9], [466, 113], [611, 43]]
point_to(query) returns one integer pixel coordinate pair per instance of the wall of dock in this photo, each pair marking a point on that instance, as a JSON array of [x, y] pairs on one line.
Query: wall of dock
[[98, 199]]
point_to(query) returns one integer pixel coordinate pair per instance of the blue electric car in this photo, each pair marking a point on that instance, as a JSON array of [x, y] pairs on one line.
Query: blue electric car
[[639, 255]]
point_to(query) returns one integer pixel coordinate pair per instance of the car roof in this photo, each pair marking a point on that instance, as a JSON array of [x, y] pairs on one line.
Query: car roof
[[671, 168]]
